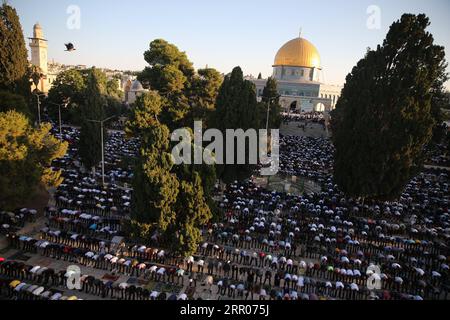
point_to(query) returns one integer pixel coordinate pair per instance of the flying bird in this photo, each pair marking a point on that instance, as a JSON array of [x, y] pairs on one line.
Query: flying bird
[[70, 47]]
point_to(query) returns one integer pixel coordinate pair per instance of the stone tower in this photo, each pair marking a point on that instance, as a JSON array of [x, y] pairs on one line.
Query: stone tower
[[38, 47]]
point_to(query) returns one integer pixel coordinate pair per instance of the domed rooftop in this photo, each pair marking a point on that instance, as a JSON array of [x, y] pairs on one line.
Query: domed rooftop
[[298, 52], [136, 86], [37, 31]]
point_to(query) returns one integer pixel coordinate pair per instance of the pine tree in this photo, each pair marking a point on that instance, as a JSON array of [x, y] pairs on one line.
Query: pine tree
[[383, 119], [170, 73], [204, 91]]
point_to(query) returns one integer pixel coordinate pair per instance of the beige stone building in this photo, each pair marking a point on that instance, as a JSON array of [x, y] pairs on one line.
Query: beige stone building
[[39, 58]]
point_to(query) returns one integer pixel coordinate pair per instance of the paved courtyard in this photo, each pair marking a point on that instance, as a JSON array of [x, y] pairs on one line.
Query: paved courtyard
[[312, 129]]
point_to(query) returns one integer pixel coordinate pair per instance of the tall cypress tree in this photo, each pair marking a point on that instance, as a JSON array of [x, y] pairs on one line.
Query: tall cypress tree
[[13, 53], [166, 198], [271, 97], [90, 144], [155, 186], [236, 108], [193, 213], [383, 119]]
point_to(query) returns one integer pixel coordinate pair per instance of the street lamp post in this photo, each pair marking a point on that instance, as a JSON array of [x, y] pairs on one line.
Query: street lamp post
[[38, 95], [66, 102], [103, 149]]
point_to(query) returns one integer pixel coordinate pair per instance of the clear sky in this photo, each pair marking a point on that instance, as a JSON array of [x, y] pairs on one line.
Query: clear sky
[[222, 34]]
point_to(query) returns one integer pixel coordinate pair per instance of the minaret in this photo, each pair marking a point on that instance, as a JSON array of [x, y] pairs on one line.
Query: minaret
[[38, 47]]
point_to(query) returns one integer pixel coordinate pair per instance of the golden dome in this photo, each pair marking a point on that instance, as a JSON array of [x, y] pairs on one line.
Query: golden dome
[[298, 52]]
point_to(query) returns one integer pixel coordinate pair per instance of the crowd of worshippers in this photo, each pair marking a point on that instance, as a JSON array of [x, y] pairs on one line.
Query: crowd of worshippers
[[302, 117], [20, 281], [275, 245], [12, 221], [269, 245], [119, 154], [438, 154], [408, 239], [306, 156]]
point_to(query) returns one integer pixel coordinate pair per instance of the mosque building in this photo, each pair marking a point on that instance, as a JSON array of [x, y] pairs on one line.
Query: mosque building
[[298, 71]]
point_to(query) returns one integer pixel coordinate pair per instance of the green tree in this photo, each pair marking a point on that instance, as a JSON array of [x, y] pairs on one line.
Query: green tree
[[69, 84], [439, 101], [383, 119], [170, 73], [271, 97], [166, 198], [204, 91], [93, 109], [72, 84], [13, 53], [112, 89], [259, 76], [25, 158], [192, 213], [155, 186], [187, 95], [181, 95], [236, 108], [169, 68], [11, 101]]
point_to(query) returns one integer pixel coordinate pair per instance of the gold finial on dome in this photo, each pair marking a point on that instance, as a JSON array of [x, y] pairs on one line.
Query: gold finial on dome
[[298, 52]]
